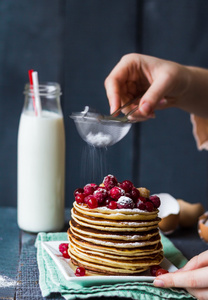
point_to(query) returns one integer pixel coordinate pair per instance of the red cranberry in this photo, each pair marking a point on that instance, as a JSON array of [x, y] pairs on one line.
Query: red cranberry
[[161, 272], [128, 195], [134, 193], [65, 254], [125, 202], [155, 200], [153, 269], [107, 201], [100, 194], [92, 202], [126, 185], [116, 192], [86, 199], [89, 188], [140, 205], [109, 182], [80, 198], [63, 247], [149, 206], [142, 199], [80, 271], [94, 185], [112, 205], [78, 191]]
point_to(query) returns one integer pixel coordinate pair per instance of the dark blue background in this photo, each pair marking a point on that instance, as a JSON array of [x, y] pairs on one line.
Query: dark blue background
[[77, 43]]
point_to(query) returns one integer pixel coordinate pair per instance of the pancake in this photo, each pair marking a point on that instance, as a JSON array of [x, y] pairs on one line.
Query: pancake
[[113, 225], [100, 270], [124, 240], [146, 250], [122, 235], [116, 214]]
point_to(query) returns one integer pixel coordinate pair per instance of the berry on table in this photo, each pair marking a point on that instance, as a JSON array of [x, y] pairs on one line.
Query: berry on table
[[80, 271], [63, 247], [153, 269], [161, 272], [65, 254]]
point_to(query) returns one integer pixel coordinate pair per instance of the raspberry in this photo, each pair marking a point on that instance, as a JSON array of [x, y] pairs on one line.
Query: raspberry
[[126, 185], [92, 202], [155, 200], [112, 205], [161, 271], [65, 254], [134, 193], [80, 198], [153, 269], [149, 206], [100, 194], [80, 271], [109, 182], [125, 202], [63, 247], [116, 192], [78, 191]]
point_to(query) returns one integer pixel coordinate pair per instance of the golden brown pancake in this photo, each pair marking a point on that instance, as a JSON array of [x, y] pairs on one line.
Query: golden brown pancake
[[114, 242]]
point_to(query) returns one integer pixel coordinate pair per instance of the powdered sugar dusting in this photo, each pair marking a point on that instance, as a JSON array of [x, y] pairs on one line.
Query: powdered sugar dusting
[[6, 282], [123, 200], [99, 139]]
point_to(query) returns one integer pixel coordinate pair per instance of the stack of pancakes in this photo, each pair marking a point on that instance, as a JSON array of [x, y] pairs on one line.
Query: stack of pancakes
[[114, 242]]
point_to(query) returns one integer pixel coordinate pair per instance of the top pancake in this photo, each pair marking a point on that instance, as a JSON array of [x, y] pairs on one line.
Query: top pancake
[[116, 214]]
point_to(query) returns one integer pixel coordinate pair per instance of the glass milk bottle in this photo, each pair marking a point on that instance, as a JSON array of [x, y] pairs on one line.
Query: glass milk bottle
[[41, 161]]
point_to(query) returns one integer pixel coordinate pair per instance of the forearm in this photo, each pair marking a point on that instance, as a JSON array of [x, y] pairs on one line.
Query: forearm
[[195, 99]]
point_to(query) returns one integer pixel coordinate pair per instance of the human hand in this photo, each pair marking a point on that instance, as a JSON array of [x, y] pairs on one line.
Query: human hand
[[160, 84], [193, 277]]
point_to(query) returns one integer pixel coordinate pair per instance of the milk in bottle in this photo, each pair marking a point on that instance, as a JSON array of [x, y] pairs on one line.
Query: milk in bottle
[[41, 162]]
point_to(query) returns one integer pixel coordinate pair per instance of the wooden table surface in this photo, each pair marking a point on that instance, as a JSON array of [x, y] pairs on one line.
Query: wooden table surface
[[18, 265]]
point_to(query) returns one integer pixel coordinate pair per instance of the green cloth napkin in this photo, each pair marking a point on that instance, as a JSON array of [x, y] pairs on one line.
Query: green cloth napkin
[[51, 279]]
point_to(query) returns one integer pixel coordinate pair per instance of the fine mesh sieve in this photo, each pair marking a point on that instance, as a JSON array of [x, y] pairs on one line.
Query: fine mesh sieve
[[98, 130]]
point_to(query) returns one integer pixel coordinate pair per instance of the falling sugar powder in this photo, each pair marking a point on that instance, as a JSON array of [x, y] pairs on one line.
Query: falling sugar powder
[[99, 139], [93, 164]]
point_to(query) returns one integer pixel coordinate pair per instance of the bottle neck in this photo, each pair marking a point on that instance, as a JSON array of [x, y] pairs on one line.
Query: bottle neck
[[46, 98]]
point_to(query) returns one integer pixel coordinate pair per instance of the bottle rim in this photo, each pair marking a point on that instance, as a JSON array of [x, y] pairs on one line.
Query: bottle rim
[[45, 89]]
